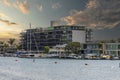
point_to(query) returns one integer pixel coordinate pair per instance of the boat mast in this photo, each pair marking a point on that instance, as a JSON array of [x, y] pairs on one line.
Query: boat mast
[[30, 38], [27, 41], [35, 43]]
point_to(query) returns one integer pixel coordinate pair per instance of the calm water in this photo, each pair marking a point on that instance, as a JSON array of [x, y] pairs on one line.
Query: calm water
[[46, 69]]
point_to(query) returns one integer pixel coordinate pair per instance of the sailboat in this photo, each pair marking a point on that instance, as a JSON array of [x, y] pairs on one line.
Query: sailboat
[[28, 53]]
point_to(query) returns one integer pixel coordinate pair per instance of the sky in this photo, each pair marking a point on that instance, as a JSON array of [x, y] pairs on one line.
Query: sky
[[103, 16]]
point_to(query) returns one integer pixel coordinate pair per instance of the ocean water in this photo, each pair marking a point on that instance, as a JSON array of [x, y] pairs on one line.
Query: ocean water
[[65, 69]]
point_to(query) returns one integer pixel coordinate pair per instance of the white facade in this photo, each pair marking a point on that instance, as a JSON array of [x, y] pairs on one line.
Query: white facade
[[78, 36], [112, 49]]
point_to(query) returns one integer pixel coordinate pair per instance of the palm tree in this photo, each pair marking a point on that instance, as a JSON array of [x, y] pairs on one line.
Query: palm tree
[[1, 42], [11, 41], [18, 47], [1, 46], [11, 48], [5, 46]]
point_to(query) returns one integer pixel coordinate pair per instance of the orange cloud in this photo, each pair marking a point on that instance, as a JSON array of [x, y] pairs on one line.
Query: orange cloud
[[69, 20], [10, 32], [6, 35], [22, 6], [92, 4], [6, 2], [98, 13]]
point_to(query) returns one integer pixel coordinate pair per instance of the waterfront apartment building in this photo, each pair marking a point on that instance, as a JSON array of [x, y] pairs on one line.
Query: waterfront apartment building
[[93, 48], [112, 49], [36, 39], [101, 49]]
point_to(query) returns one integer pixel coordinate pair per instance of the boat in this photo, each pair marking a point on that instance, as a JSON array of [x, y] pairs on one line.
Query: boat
[[105, 56], [52, 55], [91, 56], [115, 58], [26, 55], [73, 56], [29, 53]]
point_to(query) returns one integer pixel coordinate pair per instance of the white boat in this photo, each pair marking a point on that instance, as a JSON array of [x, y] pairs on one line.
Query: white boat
[[91, 56], [115, 58], [52, 55], [73, 56]]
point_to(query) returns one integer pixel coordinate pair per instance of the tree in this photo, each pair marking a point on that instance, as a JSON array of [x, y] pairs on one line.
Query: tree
[[11, 48], [11, 41], [73, 47], [118, 39], [1, 46], [5, 46], [46, 49], [1, 42], [18, 47], [112, 41]]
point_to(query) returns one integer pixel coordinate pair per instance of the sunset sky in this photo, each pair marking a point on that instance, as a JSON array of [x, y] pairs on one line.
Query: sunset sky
[[103, 16]]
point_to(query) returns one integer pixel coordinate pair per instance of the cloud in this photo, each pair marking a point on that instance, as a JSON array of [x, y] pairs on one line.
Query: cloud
[[10, 32], [4, 19], [56, 5], [98, 13], [3, 15], [6, 2], [39, 6], [69, 20], [8, 22], [24, 7], [92, 4], [7, 34], [21, 6]]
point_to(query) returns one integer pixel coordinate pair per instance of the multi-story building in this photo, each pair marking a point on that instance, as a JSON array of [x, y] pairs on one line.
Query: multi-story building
[[112, 49], [101, 50], [93, 48], [36, 39]]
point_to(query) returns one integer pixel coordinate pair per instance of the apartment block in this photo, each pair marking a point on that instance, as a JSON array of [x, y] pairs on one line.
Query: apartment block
[[93, 48], [36, 39], [112, 49]]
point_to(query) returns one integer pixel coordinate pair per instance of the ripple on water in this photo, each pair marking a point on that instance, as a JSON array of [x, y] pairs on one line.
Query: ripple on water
[[46, 69]]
